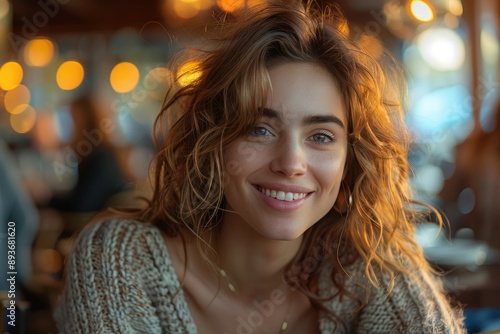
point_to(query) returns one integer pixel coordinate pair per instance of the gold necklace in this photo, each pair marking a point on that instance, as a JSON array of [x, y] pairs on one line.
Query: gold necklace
[[231, 287]]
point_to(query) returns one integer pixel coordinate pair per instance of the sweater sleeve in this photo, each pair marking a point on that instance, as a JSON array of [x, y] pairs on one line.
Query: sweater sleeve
[[103, 292], [417, 304]]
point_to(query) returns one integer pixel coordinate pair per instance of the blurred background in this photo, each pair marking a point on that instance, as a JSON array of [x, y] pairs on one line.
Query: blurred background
[[81, 82]]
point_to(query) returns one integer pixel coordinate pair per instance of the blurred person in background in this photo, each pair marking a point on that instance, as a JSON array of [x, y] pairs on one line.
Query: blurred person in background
[[15, 206], [280, 199], [99, 175], [470, 198]]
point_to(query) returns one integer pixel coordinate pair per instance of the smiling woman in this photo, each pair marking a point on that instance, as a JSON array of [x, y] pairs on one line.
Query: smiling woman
[[280, 198], [299, 147]]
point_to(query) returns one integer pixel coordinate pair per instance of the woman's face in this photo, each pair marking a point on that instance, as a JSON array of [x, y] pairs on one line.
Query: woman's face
[[285, 174]]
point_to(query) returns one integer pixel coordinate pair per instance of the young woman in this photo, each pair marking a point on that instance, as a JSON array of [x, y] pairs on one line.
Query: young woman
[[280, 199]]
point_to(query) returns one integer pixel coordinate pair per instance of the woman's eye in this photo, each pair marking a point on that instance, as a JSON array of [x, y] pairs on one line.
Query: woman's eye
[[322, 138], [260, 131]]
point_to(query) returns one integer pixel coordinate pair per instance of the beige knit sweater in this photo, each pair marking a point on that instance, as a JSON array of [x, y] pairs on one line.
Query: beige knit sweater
[[120, 279]]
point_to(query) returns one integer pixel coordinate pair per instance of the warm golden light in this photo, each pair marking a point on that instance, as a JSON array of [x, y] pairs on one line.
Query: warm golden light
[[39, 52], [204, 4], [70, 75], [11, 75], [124, 77], [421, 11], [188, 72], [17, 100], [455, 7], [23, 122], [232, 5], [186, 9], [4, 8]]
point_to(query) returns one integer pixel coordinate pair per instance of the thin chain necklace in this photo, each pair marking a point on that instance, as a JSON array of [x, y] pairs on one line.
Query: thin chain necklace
[[232, 288]]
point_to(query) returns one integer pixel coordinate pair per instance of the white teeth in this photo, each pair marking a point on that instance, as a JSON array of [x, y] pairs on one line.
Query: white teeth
[[281, 195]]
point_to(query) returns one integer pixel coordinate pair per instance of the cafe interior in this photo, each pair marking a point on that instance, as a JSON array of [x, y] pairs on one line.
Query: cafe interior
[[81, 82]]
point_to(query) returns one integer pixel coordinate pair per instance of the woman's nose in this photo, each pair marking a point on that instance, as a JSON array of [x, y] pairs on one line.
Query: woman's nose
[[289, 159]]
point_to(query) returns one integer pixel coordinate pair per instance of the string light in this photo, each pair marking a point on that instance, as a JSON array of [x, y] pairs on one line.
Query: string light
[[11, 75], [38, 52], [70, 75], [124, 77], [17, 100], [24, 121], [421, 11]]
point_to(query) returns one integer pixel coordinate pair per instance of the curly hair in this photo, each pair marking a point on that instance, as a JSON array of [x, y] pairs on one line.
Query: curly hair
[[221, 104]]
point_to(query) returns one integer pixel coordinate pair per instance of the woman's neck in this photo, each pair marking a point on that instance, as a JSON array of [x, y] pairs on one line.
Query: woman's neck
[[253, 263]]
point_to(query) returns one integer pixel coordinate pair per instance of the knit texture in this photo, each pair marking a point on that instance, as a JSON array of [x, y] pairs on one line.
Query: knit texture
[[120, 279]]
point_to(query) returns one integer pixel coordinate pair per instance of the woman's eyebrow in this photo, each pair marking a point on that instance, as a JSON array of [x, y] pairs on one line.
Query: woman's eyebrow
[[272, 113], [317, 119], [308, 120]]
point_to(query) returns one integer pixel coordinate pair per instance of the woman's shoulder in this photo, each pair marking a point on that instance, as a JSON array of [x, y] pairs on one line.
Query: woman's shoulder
[[121, 240], [119, 278], [112, 230], [410, 301]]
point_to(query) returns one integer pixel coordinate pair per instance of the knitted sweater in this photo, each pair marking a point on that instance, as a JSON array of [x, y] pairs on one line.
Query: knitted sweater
[[120, 279]]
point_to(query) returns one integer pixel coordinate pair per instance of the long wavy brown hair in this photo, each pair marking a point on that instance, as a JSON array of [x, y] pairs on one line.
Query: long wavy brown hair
[[201, 118]]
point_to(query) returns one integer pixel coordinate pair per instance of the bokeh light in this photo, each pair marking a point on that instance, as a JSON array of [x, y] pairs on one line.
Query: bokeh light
[[156, 81], [230, 6], [17, 100], [442, 49], [455, 7], [70, 75], [186, 9], [188, 72], [39, 52], [24, 121], [421, 11], [124, 77], [11, 75], [4, 8]]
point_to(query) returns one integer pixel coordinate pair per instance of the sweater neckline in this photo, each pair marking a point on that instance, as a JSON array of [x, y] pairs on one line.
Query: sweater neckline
[[182, 303]]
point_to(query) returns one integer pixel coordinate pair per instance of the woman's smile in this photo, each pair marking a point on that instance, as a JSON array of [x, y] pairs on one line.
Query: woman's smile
[[283, 200], [282, 195]]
